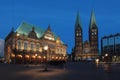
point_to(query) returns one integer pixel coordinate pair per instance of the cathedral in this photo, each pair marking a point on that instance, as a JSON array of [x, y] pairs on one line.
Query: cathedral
[[87, 50]]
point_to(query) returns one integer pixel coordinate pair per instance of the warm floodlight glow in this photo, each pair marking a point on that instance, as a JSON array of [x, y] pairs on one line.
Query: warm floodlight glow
[[40, 49], [27, 56], [56, 57], [39, 56], [44, 57], [13, 55], [52, 57]]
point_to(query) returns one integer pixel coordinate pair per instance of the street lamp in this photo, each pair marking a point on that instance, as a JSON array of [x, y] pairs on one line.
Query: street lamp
[[36, 58], [106, 55], [115, 58], [45, 49]]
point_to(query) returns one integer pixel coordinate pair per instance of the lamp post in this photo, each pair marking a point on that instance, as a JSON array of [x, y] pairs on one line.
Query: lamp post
[[45, 49], [35, 58], [115, 58], [106, 57], [41, 54]]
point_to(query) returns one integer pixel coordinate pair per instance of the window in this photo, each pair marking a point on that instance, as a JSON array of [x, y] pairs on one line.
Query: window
[[76, 34], [80, 34], [37, 47], [19, 44], [32, 46], [95, 33], [92, 33], [25, 45]]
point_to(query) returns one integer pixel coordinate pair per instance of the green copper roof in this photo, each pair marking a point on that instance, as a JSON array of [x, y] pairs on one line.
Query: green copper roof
[[92, 19], [25, 29], [77, 20]]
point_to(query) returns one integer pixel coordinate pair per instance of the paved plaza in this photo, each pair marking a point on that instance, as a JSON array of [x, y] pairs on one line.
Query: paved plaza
[[69, 71]]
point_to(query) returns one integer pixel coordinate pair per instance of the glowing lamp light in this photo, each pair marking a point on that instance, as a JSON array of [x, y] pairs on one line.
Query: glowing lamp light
[[46, 47], [106, 54], [97, 60], [35, 55], [18, 34]]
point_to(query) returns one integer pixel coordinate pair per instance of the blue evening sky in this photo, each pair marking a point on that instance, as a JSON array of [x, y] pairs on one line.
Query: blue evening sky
[[61, 15]]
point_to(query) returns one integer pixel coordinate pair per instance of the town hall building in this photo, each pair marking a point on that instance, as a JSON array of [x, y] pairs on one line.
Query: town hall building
[[32, 44]]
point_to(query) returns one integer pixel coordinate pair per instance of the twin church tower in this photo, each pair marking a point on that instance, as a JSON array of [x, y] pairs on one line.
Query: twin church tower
[[87, 50]]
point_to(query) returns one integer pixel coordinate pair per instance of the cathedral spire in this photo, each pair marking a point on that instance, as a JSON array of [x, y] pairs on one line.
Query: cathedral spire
[[92, 19], [77, 20]]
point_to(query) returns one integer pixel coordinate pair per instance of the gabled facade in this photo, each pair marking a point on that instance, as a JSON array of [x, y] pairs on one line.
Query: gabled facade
[[26, 45]]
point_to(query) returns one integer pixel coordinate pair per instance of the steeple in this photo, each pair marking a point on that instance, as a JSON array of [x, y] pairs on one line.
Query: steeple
[[77, 20], [92, 19], [49, 29]]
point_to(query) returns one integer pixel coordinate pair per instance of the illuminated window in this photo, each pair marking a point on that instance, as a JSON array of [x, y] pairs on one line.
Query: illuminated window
[[32, 46], [19, 44], [25, 45], [76, 34], [37, 47]]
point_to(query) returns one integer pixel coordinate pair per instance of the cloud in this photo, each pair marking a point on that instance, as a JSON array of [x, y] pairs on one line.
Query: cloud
[[1, 47]]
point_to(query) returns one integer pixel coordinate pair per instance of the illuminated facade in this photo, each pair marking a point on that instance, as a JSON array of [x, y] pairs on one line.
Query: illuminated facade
[[88, 49], [26, 45]]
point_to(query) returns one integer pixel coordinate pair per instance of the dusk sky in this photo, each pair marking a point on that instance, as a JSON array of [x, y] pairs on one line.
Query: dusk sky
[[61, 15]]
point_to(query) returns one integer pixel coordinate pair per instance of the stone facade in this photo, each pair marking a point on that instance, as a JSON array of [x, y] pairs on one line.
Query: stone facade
[[26, 45], [87, 50]]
